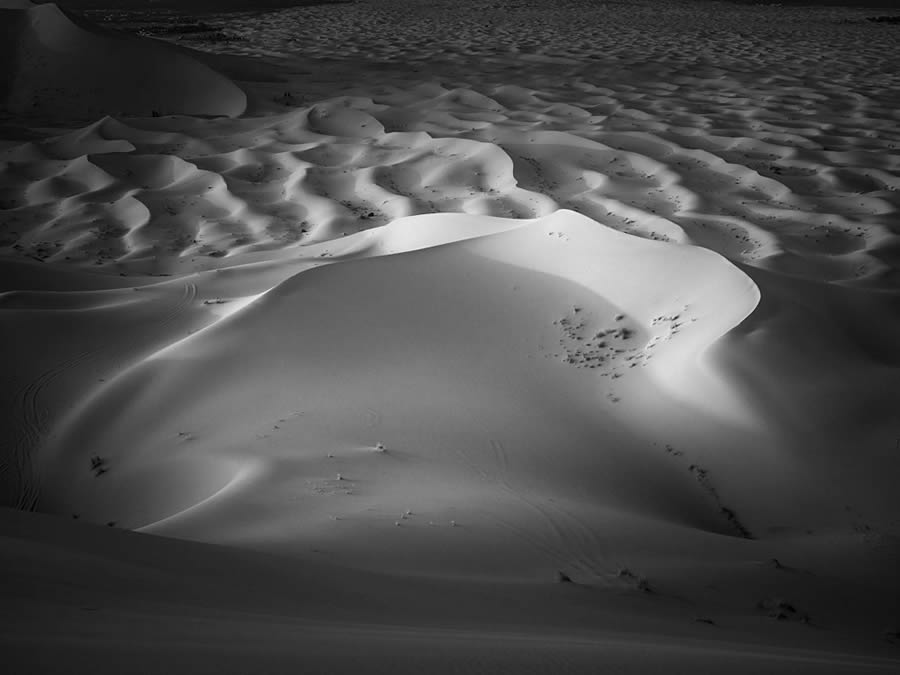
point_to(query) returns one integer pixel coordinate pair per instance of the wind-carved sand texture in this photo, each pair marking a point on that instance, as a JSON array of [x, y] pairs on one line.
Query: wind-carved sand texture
[[425, 307]]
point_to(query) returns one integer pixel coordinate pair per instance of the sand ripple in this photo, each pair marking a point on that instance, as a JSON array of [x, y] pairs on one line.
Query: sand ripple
[[131, 195]]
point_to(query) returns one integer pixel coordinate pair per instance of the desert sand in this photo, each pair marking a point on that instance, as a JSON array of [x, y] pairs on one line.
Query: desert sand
[[429, 336]]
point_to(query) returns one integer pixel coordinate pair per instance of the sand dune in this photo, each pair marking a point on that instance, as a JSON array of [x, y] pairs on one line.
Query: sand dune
[[222, 188], [375, 338], [332, 340], [57, 67]]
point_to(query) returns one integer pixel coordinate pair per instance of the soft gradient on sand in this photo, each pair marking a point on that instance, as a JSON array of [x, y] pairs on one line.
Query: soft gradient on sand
[[374, 337]]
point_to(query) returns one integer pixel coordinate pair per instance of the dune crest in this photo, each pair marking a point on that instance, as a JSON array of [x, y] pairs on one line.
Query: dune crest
[[612, 325]]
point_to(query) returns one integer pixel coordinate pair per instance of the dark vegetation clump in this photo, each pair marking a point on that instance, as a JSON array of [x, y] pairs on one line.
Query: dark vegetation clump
[[638, 582], [99, 465], [781, 610]]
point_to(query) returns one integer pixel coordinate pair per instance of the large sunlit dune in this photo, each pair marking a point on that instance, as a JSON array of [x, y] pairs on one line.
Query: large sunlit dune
[[435, 337]]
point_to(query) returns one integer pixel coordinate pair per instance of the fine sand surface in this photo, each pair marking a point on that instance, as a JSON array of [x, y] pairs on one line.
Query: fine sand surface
[[407, 336]]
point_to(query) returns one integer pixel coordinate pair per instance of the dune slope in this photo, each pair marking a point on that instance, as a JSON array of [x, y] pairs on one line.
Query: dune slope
[[58, 67], [470, 337], [521, 344], [199, 608]]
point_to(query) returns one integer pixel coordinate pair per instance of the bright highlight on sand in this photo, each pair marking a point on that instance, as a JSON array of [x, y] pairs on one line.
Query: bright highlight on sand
[[405, 336]]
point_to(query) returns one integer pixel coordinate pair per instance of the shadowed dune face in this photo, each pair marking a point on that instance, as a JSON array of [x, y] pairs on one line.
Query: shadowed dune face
[[59, 68]]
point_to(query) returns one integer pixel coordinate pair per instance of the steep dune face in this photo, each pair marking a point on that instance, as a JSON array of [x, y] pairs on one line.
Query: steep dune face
[[819, 364], [55, 67]]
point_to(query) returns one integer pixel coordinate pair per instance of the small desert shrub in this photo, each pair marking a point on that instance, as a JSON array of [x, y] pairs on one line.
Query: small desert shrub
[[98, 465], [782, 610], [639, 582]]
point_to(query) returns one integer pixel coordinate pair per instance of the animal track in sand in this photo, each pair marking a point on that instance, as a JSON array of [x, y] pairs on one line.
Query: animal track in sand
[[337, 486], [703, 479], [562, 536], [20, 469]]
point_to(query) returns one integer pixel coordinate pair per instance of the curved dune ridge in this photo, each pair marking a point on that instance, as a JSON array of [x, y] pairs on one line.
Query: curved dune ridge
[[468, 369], [530, 342], [59, 67]]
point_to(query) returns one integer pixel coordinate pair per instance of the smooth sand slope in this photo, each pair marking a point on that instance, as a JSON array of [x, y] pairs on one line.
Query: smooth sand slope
[[57, 66], [606, 295], [151, 605]]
